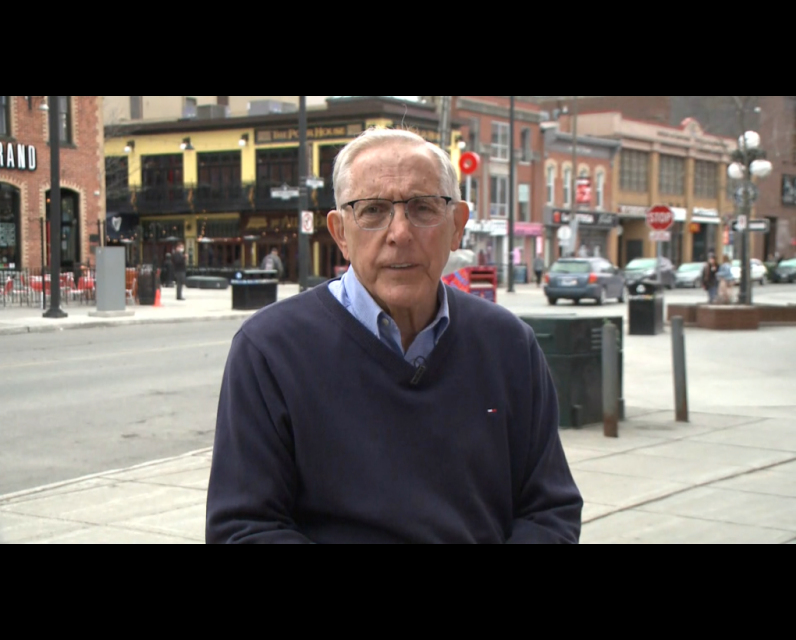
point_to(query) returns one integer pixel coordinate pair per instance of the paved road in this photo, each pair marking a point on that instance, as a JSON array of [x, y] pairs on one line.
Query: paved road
[[79, 402]]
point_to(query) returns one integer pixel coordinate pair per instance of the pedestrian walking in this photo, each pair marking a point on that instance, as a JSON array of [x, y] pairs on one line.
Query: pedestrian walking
[[710, 282], [726, 282], [272, 262], [538, 269], [425, 440], [180, 268]]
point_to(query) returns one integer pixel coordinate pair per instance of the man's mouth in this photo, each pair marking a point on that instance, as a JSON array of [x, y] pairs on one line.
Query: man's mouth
[[401, 265]]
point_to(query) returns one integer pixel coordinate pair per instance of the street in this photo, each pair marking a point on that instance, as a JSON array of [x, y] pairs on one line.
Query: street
[[90, 400], [86, 401]]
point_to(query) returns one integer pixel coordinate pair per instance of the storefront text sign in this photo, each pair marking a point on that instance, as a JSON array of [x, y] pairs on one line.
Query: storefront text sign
[[313, 133], [21, 157], [591, 219]]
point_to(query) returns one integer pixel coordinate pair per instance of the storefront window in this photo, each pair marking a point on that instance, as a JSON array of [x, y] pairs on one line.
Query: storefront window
[[70, 227], [9, 227]]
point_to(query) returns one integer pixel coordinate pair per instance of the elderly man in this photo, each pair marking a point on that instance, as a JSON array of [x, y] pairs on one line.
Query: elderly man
[[385, 407]]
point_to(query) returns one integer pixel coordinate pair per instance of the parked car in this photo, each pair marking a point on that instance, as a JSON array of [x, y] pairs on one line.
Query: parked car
[[584, 278], [785, 271], [757, 270], [647, 269], [689, 275]]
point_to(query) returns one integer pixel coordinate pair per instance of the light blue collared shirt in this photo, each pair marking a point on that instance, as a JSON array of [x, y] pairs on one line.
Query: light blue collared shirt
[[355, 298]]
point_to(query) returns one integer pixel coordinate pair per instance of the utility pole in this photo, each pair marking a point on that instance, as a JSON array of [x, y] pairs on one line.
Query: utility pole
[[303, 238], [445, 123], [511, 196], [573, 186], [55, 214]]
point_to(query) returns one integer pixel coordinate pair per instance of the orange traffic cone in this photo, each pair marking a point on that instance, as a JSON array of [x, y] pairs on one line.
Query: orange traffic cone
[[157, 298]]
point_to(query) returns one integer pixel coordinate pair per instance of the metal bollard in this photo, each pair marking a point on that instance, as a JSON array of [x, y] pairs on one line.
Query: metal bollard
[[678, 362], [610, 382]]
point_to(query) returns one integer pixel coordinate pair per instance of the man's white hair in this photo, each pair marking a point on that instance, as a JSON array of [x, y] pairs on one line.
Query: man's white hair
[[373, 137]]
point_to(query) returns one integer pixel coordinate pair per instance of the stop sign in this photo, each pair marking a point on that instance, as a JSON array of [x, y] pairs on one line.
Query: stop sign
[[660, 218]]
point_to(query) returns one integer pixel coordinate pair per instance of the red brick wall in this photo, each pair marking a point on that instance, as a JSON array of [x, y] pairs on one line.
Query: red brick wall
[[82, 170], [525, 172], [593, 164]]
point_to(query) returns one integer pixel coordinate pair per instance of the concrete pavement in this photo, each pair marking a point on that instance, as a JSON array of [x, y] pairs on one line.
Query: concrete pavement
[[726, 476], [717, 479]]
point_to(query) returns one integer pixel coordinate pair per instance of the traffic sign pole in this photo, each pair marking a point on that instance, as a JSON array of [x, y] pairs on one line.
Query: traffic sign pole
[[659, 218]]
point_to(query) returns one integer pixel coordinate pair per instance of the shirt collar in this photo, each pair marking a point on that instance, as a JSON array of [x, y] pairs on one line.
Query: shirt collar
[[369, 313]]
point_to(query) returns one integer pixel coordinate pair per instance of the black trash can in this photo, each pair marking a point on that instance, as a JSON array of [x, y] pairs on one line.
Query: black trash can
[[147, 284], [253, 289], [572, 346], [645, 308]]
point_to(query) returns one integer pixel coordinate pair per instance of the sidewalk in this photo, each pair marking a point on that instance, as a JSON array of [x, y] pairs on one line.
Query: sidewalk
[[716, 479], [200, 304]]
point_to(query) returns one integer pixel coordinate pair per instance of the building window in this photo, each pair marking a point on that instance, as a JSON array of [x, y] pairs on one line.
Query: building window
[[162, 177], [550, 180], [136, 107], [499, 197], [116, 177], [524, 198], [9, 227], [327, 155], [65, 119], [706, 179], [473, 195], [5, 115], [222, 100], [500, 141], [276, 167], [671, 176], [600, 189], [526, 144], [634, 171], [219, 174], [567, 186], [189, 107]]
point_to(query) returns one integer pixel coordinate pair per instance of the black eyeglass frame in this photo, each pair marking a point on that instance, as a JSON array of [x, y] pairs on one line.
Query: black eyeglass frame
[[448, 200]]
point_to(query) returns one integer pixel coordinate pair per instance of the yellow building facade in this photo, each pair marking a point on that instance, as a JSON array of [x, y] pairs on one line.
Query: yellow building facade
[[228, 187]]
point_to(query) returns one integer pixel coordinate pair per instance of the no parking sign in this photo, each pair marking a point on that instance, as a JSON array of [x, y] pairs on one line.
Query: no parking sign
[[307, 222]]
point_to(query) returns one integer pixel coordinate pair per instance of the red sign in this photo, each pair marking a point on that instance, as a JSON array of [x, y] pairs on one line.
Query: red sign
[[583, 191], [660, 218], [469, 162]]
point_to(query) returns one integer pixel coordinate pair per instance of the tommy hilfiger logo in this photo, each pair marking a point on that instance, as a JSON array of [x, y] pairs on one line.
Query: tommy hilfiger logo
[[491, 410]]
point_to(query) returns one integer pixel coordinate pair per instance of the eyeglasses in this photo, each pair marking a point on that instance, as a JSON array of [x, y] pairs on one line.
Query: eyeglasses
[[374, 214]]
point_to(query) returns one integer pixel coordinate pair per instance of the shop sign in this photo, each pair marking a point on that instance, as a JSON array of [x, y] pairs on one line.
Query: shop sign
[[21, 157], [590, 219], [284, 224], [291, 134]]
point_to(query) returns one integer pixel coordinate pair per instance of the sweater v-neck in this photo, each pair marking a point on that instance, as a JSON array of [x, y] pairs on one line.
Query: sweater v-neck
[[398, 367]]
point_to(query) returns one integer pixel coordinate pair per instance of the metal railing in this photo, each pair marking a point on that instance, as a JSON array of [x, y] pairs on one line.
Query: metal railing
[[28, 288]]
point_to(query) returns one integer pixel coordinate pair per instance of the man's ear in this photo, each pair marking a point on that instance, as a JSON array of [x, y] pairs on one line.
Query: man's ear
[[461, 214], [334, 222]]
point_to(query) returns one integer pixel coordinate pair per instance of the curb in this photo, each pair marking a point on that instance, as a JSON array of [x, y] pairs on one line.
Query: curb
[[102, 474], [94, 324]]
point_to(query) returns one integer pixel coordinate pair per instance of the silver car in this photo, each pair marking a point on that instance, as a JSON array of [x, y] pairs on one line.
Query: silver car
[[584, 278], [689, 275]]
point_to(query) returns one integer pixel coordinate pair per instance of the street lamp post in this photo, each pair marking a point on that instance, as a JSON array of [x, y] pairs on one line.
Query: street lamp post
[[55, 310], [303, 238], [748, 162], [511, 196]]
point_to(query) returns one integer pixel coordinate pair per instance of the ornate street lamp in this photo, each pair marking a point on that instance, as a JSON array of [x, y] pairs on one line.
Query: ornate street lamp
[[749, 161]]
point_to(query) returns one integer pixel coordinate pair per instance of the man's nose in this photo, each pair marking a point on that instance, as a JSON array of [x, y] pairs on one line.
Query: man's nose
[[400, 228]]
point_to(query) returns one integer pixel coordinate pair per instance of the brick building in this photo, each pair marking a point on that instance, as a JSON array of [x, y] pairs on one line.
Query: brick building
[[485, 130], [773, 117], [591, 205], [25, 179]]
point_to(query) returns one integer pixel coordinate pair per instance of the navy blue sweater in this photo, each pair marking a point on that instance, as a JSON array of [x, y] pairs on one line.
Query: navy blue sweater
[[323, 438]]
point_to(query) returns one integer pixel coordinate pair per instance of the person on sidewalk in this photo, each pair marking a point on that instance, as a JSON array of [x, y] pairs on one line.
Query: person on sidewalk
[[538, 269], [272, 262], [710, 282], [726, 282], [384, 406], [180, 268]]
